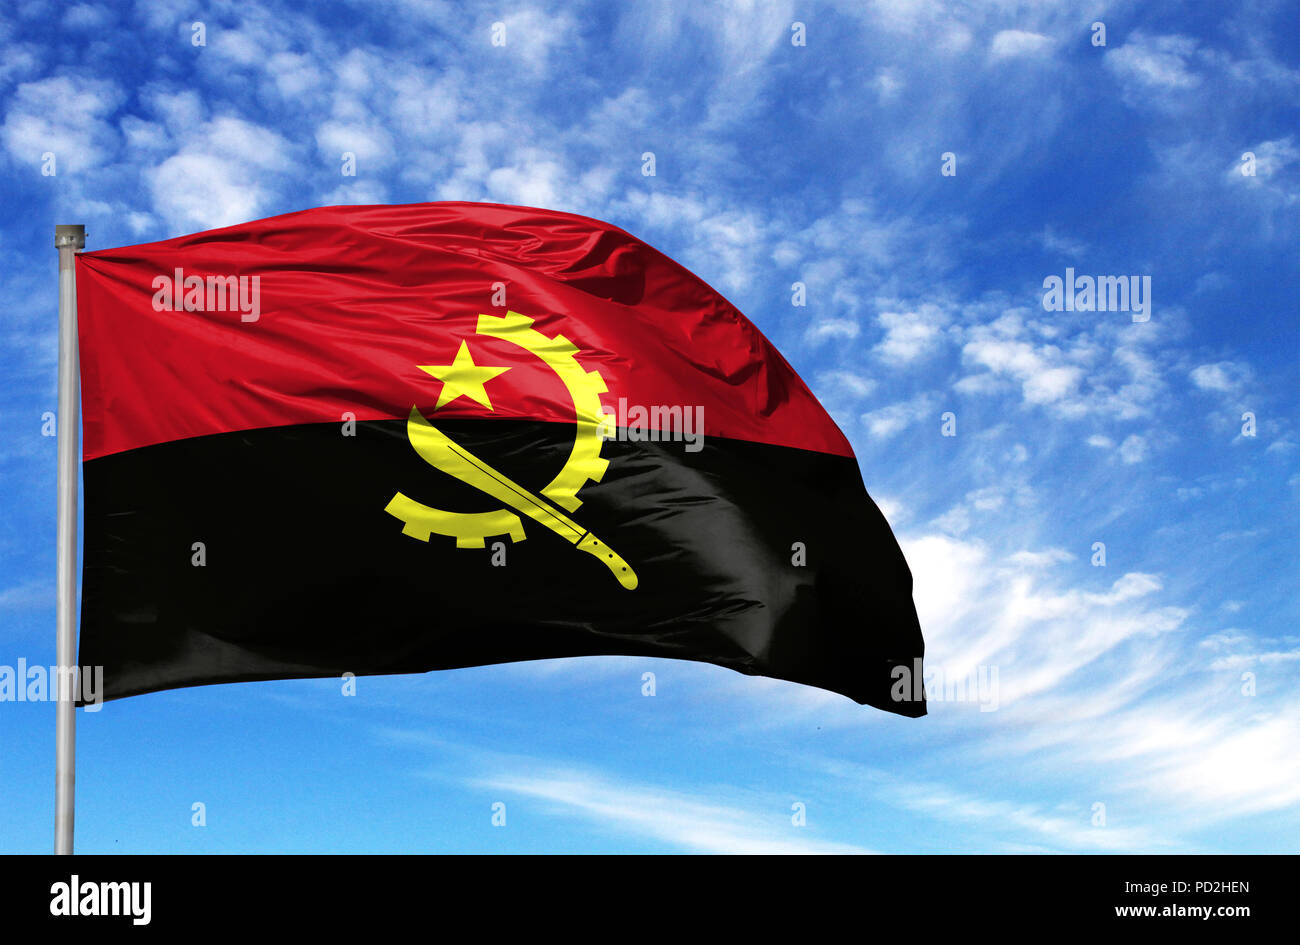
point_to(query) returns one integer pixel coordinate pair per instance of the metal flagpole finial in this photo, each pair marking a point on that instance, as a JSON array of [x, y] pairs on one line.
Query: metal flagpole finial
[[69, 234]]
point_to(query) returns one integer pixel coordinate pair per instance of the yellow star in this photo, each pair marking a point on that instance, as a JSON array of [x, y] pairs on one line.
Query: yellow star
[[463, 378]]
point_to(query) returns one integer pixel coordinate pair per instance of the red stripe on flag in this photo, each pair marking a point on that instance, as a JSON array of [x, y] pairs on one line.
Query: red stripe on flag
[[351, 301]]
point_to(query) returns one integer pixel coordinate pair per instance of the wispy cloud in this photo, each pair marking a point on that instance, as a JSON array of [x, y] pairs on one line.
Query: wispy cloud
[[696, 823]]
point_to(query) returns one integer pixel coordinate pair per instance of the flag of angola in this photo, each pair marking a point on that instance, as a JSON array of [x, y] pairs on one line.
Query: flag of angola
[[392, 439]]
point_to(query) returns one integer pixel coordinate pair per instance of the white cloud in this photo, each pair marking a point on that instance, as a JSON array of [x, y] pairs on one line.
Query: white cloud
[[359, 192], [956, 521], [1271, 158], [1240, 661], [1019, 44], [1017, 358], [20, 61], [536, 183], [909, 335], [986, 383], [83, 16], [1040, 559], [844, 384], [1022, 822], [1158, 63], [1085, 367], [199, 192], [828, 329], [294, 74], [1133, 449], [686, 821], [369, 142], [1042, 382], [1225, 376], [1051, 384], [181, 112], [979, 610], [893, 510], [30, 594], [888, 421], [987, 499], [1222, 763], [1085, 680], [786, 253], [887, 84], [65, 117], [731, 241], [224, 174], [242, 47], [533, 39], [1064, 245]]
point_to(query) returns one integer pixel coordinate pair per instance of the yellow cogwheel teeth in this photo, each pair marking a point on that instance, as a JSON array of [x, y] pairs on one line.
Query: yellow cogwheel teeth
[[470, 529], [585, 464]]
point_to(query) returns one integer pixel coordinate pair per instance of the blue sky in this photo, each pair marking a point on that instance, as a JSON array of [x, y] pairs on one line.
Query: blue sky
[[1124, 685]]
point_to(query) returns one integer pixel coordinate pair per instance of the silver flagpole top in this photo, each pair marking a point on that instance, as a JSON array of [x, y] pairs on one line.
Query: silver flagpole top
[[69, 234]]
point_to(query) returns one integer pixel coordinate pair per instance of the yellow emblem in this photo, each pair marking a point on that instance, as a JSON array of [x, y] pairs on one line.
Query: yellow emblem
[[470, 529]]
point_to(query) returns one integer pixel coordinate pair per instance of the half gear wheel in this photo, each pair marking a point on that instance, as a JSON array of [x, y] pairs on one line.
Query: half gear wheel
[[585, 464]]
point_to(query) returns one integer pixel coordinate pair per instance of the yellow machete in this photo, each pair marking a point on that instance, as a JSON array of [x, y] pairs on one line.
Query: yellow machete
[[440, 450]]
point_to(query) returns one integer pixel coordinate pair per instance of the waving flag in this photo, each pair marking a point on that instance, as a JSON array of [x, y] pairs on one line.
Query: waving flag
[[393, 439]]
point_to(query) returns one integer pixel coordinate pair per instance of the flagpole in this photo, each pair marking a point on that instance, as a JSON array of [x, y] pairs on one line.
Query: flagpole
[[68, 239]]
